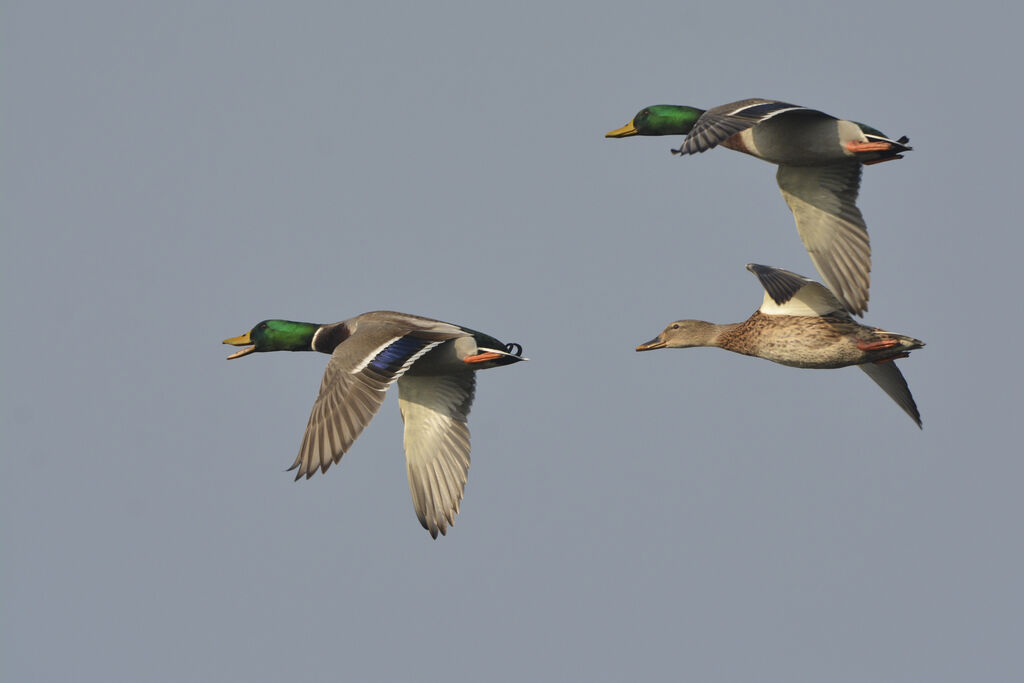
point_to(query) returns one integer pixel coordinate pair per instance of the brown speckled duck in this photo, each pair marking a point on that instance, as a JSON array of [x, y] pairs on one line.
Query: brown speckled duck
[[802, 324]]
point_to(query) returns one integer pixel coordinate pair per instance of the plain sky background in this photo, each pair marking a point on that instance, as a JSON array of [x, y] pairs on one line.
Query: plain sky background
[[173, 173]]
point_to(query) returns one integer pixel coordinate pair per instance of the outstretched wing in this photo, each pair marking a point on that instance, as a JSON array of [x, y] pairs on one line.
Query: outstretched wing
[[435, 409], [786, 293], [719, 123], [357, 376], [889, 377], [823, 202]]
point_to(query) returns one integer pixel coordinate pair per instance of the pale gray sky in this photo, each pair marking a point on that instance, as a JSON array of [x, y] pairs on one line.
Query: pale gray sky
[[172, 173]]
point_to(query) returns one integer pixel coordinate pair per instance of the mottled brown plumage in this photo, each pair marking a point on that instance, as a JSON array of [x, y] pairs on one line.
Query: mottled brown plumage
[[810, 341], [803, 325]]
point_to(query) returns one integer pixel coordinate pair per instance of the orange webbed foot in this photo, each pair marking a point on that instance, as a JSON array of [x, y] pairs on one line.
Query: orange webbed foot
[[481, 357], [879, 345], [857, 147]]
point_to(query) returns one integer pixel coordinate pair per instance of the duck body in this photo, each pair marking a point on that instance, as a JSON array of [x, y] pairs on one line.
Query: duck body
[[784, 133], [804, 138], [451, 355], [822, 342], [434, 364], [801, 324], [819, 159]]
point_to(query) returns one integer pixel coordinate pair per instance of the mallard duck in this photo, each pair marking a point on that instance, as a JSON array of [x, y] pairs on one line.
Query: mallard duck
[[434, 363], [819, 159], [803, 325]]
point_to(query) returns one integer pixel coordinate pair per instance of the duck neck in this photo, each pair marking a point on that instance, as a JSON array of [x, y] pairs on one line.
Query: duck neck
[[326, 338], [715, 334], [730, 336]]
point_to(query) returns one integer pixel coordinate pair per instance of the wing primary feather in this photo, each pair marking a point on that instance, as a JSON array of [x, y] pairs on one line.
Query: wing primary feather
[[891, 380]]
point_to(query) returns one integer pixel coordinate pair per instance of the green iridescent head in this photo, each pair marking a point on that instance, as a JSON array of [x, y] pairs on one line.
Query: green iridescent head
[[275, 335], [659, 119]]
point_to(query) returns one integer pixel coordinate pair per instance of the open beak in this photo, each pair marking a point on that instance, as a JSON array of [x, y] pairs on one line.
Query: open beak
[[624, 132], [240, 341], [656, 343]]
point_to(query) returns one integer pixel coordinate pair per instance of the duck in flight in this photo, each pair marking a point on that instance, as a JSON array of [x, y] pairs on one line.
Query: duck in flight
[[801, 324], [434, 364], [819, 159]]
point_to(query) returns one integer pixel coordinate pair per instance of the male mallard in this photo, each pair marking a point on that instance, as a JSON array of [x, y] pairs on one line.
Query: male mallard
[[434, 364], [819, 159], [802, 324]]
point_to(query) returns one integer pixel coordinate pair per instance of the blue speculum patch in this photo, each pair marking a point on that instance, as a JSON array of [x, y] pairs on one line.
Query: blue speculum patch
[[391, 359], [759, 110]]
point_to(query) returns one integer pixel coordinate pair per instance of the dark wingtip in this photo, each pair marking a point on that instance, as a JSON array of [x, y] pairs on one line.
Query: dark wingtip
[[435, 531], [781, 285], [915, 415]]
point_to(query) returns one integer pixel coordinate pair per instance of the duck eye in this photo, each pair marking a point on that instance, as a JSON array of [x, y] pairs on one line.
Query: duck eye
[[675, 326]]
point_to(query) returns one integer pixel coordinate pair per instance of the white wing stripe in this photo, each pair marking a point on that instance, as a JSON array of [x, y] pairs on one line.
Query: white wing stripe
[[373, 354], [405, 366]]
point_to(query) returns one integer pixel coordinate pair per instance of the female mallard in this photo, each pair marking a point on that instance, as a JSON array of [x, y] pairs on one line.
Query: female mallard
[[434, 364], [819, 159], [802, 324]]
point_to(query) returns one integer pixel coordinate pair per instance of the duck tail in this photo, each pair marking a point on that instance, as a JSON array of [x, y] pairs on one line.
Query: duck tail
[[906, 343]]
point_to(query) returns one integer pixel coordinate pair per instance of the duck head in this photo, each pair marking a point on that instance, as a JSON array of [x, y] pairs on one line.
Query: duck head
[[275, 335], [659, 119]]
